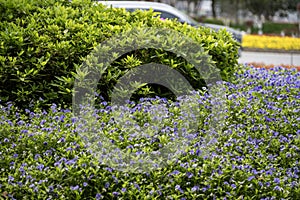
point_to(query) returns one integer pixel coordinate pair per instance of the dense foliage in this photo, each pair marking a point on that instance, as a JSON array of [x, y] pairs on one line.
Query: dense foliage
[[256, 155], [43, 43]]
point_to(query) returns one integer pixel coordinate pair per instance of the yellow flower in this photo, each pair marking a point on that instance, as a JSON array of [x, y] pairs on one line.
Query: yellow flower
[[271, 42]]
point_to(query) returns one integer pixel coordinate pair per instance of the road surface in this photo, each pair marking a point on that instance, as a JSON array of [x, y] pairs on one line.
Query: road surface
[[270, 58]]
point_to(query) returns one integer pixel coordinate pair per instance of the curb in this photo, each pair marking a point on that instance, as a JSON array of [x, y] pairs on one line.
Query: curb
[[270, 50]]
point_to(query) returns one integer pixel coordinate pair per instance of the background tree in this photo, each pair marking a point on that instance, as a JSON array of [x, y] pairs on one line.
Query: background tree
[[228, 8], [291, 4], [213, 8], [194, 6], [288, 6], [268, 8]]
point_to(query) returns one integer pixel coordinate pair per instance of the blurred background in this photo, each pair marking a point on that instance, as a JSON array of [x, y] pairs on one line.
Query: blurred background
[[271, 17], [270, 29]]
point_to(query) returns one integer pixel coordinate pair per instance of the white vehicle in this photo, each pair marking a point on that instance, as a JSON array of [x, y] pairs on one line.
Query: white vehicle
[[168, 12]]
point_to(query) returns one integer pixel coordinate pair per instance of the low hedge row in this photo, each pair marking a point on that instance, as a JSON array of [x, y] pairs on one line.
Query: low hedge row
[[43, 43]]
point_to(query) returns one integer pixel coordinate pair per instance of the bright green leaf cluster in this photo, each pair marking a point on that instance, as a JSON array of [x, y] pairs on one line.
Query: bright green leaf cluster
[[42, 42]]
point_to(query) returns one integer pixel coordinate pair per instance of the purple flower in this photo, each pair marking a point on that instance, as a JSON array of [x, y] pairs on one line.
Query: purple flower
[[53, 108], [108, 169], [73, 120], [69, 149], [277, 188], [107, 184], [21, 169], [195, 188], [250, 178], [20, 184], [137, 186], [37, 156], [61, 140], [99, 196], [175, 172], [62, 117], [35, 189], [43, 122], [189, 174], [72, 161], [177, 187], [10, 178], [24, 131], [20, 123], [115, 194], [276, 180], [40, 167], [269, 172], [74, 187], [51, 188]]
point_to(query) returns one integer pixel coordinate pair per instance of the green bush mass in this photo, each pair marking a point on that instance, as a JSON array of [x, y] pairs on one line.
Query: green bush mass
[[43, 43]]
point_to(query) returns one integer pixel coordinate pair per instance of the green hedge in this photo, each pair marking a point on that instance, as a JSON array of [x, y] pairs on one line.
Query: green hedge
[[272, 28], [213, 21], [44, 42]]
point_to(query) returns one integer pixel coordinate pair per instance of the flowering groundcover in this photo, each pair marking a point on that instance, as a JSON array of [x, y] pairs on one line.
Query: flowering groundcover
[[256, 155]]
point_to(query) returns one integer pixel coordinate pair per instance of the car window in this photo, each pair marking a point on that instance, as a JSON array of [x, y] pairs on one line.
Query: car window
[[166, 15], [133, 9], [163, 14]]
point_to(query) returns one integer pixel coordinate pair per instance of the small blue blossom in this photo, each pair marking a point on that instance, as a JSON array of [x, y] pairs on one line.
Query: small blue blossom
[[115, 194], [107, 184], [250, 178], [276, 180], [74, 187], [98, 196], [195, 188]]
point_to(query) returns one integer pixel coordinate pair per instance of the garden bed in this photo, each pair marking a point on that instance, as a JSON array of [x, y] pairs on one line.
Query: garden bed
[[271, 43], [255, 155], [262, 65], [237, 140]]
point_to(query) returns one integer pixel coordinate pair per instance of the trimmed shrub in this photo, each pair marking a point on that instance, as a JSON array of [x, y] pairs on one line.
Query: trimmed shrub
[[44, 42], [213, 21]]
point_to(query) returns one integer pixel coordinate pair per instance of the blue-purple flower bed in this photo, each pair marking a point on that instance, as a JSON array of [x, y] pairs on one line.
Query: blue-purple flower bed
[[256, 155]]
